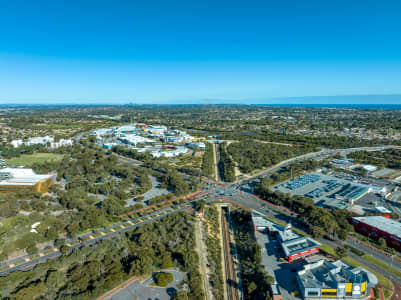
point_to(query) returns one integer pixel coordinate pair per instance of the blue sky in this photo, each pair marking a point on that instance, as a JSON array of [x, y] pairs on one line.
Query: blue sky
[[179, 51]]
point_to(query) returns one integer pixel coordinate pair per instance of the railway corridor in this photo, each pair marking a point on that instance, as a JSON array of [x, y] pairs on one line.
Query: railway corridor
[[232, 281]]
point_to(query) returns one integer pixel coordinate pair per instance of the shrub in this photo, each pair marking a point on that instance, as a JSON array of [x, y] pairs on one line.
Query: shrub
[[163, 279]]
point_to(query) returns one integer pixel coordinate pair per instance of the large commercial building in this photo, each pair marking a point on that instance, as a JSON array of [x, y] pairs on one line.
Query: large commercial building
[[126, 129], [102, 131], [16, 179], [133, 140], [380, 227], [155, 129], [40, 140], [325, 279], [294, 246]]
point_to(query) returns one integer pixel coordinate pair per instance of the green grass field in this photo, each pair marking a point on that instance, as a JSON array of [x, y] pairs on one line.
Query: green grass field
[[29, 159]]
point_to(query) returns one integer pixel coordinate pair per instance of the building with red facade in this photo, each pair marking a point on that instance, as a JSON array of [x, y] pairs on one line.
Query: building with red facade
[[294, 246], [379, 227]]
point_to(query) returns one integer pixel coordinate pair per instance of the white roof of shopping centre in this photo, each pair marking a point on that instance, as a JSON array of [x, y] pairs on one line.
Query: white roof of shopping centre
[[18, 172], [20, 176]]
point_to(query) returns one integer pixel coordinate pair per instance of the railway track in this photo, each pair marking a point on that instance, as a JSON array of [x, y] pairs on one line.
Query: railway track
[[231, 278]]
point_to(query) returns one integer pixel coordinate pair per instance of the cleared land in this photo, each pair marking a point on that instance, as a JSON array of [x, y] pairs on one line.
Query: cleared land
[[29, 159]]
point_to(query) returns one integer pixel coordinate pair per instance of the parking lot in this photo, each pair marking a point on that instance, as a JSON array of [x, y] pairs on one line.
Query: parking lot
[[335, 190], [283, 272], [156, 190], [368, 203], [314, 185], [144, 290]]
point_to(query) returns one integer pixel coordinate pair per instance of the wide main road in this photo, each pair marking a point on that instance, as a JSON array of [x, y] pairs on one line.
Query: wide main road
[[118, 229]]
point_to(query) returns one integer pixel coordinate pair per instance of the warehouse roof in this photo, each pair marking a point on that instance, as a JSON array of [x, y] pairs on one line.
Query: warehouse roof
[[385, 224]]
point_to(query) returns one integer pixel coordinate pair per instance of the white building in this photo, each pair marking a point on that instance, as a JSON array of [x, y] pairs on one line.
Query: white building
[[369, 168], [61, 143], [336, 280], [15, 172], [200, 145], [15, 179], [126, 129], [40, 140], [134, 140], [102, 131], [156, 129], [168, 153], [17, 143]]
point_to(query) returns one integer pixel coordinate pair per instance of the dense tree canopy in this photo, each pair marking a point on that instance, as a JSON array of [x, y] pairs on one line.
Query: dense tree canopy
[[88, 272]]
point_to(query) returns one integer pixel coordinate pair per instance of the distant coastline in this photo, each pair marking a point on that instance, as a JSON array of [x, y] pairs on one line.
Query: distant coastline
[[386, 101], [305, 105]]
